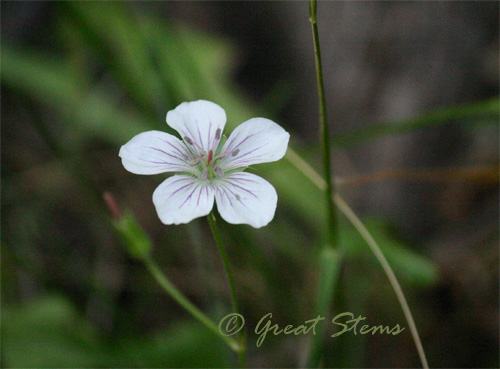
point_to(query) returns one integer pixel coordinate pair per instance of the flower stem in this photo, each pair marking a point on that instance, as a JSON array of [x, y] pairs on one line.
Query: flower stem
[[165, 283], [330, 261], [234, 299], [356, 222], [330, 266], [324, 131], [319, 182]]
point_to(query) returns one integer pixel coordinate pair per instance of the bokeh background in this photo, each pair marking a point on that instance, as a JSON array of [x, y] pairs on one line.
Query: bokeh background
[[412, 94]]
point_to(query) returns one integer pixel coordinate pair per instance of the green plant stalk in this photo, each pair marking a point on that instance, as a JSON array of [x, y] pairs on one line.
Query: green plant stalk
[[329, 260], [324, 132], [138, 245], [356, 222], [225, 260], [165, 283], [330, 267], [234, 299], [315, 178]]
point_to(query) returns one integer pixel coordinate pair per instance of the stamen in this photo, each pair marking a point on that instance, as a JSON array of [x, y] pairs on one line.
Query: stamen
[[223, 154], [216, 140], [218, 170], [194, 143], [195, 161], [210, 154], [204, 174]]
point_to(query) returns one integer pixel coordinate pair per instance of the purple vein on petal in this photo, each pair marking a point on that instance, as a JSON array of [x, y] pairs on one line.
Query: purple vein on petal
[[199, 195], [209, 144], [199, 135], [236, 196], [231, 141], [184, 179], [249, 152], [203, 189], [174, 165], [182, 152], [189, 196], [240, 177], [228, 160], [222, 189], [239, 161], [191, 135], [164, 152], [242, 141], [189, 185], [243, 189]]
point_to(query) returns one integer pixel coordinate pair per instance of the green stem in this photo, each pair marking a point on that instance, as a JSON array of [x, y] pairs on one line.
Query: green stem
[[185, 303], [315, 178], [330, 260], [356, 222], [324, 131], [330, 264], [225, 260], [234, 299]]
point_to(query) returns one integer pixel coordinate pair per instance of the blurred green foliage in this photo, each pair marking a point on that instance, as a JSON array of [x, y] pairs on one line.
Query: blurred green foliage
[[53, 334], [146, 66]]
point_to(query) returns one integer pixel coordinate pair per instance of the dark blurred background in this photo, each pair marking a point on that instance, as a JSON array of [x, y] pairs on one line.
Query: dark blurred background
[[80, 79]]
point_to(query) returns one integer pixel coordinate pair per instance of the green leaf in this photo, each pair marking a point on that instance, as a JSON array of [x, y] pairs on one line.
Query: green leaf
[[111, 30], [87, 114]]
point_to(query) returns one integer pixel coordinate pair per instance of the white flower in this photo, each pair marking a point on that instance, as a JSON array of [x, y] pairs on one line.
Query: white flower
[[209, 169]]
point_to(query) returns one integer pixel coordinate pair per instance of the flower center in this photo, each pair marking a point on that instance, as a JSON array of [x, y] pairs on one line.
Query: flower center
[[208, 164]]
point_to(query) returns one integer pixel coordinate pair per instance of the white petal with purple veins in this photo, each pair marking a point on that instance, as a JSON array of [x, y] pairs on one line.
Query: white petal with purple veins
[[255, 141], [155, 152], [182, 198], [198, 122], [244, 198]]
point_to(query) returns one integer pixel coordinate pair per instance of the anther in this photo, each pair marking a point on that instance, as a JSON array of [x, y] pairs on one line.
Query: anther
[[235, 152], [188, 140], [217, 134]]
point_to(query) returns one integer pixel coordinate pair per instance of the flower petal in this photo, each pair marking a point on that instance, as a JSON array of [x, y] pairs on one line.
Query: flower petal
[[258, 140], [244, 198], [199, 122], [155, 152], [182, 198]]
